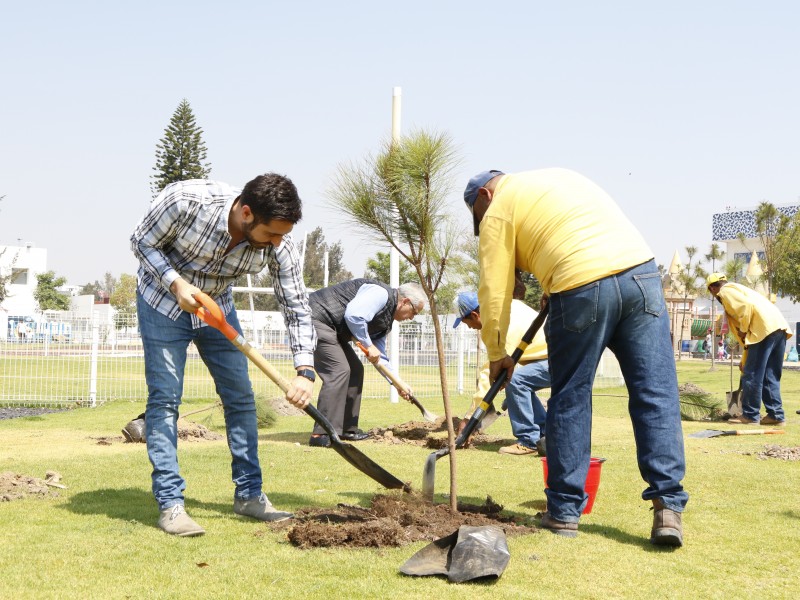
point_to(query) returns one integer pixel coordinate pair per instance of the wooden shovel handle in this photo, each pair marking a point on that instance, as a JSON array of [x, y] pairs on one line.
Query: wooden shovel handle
[[383, 370], [760, 431]]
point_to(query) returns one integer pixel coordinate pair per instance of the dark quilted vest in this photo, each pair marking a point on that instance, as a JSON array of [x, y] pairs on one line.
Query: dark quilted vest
[[329, 304]]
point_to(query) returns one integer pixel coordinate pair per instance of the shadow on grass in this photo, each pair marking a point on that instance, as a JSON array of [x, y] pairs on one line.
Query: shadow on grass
[[132, 504], [618, 535]]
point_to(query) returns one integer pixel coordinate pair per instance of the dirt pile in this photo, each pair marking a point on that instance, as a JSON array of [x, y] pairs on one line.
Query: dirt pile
[[393, 521], [14, 486], [195, 432], [779, 452], [428, 435]]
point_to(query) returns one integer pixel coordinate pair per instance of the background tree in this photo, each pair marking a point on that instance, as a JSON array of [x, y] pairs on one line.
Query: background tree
[[46, 294], [378, 268], [401, 196], [314, 261], [687, 280], [715, 254], [181, 153], [533, 290], [123, 299], [5, 279], [261, 301], [734, 270], [787, 274], [99, 289], [776, 234]]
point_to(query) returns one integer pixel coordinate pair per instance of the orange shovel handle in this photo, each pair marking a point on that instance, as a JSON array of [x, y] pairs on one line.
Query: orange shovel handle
[[211, 313]]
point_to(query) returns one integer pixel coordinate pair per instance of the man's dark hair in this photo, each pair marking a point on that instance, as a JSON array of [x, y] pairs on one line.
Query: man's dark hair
[[272, 196]]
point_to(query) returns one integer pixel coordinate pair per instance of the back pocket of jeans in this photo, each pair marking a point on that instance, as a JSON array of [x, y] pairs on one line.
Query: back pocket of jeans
[[579, 307], [650, 284]]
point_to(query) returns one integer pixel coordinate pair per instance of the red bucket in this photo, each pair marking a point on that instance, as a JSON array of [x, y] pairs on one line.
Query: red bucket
[[592, 480]]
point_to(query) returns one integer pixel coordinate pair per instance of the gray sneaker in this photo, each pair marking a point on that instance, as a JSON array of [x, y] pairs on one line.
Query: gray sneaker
[[175, 521], [260, 508]]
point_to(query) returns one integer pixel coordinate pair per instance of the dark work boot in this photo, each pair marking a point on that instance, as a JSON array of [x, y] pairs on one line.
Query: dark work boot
[[667, 527], [561, 528]]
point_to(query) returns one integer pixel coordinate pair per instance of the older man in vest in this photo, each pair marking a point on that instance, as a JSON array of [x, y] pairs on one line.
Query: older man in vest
[[364, 310]]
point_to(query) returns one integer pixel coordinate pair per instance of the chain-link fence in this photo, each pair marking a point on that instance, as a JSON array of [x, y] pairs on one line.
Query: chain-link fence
[[67, 359]]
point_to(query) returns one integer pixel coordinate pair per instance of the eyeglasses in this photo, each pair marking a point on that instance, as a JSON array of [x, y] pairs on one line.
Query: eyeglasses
[[414, 308]]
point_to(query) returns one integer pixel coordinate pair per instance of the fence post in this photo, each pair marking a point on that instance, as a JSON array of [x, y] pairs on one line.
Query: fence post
[[95, 353]]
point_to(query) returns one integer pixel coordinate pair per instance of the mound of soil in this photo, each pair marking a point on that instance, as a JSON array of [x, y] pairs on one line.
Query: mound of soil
[[285, 408], [691, 388], [14, 486], [779, 452], [195, 432], [393, 521], [428, 435]]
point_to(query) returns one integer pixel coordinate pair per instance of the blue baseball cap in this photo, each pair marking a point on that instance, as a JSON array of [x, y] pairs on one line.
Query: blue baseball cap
[[467, 302], [471, 191]]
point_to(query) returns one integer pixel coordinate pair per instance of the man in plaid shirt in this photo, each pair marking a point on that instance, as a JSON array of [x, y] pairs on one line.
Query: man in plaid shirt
[[199, 236]]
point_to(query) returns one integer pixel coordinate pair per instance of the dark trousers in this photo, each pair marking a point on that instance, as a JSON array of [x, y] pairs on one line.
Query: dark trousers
[[342, 377]]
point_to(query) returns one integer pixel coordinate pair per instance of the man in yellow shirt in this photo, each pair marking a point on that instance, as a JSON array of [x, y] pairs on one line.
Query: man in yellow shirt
[[604, 290], [525, 411], [762, 331]]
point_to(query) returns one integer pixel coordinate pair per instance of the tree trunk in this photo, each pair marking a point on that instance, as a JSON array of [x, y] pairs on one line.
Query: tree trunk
[[448, 414], [713, 336]]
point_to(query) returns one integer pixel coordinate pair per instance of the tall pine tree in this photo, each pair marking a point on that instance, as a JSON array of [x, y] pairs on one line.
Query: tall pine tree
[[181, 153]]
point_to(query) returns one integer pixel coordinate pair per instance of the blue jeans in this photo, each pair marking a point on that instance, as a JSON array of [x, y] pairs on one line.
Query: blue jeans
[[761, 377], [626, 313], [165, 343], [525, 410]]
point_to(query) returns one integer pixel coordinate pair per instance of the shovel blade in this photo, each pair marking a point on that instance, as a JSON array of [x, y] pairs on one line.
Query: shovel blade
[[707, 433], [368, 466], [429, 472]]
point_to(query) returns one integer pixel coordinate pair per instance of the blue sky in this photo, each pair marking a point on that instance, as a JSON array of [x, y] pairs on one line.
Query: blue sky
[[678, 110]]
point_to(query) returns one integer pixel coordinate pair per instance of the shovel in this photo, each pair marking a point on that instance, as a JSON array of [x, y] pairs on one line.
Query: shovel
[[708, 433], [401, 386], [211, 313], [429, 472]]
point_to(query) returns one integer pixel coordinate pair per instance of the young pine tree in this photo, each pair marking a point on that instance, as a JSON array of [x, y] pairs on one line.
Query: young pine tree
[[181, 153]]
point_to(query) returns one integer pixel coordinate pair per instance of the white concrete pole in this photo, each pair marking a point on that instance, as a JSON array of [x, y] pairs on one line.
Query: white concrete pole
[[394, 255]]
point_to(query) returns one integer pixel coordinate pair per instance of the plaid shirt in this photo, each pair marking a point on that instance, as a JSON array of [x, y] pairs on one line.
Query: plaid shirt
[[185, 234]]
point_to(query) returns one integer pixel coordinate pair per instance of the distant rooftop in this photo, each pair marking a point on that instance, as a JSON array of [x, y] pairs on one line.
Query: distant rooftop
[[728, 225]]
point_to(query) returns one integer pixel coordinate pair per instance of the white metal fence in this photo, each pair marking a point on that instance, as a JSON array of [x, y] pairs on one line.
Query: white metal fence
[[68, 359]]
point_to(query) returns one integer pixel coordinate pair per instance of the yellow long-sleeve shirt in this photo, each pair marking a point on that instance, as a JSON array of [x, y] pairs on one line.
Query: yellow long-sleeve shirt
[[558, 225], [521, 318], [751, 313]]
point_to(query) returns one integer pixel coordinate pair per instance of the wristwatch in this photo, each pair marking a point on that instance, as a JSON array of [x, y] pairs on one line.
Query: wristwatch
[[308, 374]]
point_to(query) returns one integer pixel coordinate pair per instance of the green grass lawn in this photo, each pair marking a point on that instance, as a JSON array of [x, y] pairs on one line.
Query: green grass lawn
[[98, 537]]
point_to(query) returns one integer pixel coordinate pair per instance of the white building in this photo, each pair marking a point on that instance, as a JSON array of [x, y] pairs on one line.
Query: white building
[[22, 265]]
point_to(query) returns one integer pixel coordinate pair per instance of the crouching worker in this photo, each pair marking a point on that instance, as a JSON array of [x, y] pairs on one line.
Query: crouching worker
[[363, 309], [525, 410], [199, 236]]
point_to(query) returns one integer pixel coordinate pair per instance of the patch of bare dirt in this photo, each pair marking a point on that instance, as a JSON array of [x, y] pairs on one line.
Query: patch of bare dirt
[[779, 452], [284, 408], [14, 486], [428, 435], [690, 388], [393, 521], [195, 432]]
